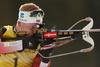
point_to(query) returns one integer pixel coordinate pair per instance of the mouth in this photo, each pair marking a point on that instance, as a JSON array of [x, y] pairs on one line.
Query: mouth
[[22, 33]]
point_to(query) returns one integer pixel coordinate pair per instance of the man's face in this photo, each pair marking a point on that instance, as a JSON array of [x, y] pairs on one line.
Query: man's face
[[29, 27]]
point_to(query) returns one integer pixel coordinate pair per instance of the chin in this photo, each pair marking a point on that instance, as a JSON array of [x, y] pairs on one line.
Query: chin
[[30, 35]]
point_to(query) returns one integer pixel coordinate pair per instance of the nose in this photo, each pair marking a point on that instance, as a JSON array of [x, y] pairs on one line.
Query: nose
[[34, 29]]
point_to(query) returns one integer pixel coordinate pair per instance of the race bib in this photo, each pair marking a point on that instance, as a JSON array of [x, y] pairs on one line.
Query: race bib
[[6, 47]]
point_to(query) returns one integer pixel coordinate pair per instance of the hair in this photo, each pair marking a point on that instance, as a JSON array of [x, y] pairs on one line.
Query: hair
[[29, 7]]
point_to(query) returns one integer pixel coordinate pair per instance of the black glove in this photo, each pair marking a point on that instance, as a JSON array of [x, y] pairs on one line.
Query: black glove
[[47, 41], [31, 42]]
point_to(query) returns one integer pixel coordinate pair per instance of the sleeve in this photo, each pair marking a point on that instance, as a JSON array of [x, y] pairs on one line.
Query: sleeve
[[45, 62]]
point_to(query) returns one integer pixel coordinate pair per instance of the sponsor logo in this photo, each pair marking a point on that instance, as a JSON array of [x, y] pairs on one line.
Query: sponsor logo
[[8, 44], [22, 19], [50, 34], [30, 44], [22, 15], [37, 20]]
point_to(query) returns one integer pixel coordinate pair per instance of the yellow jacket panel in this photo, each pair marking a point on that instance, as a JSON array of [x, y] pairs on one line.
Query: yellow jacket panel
[[22, 59]]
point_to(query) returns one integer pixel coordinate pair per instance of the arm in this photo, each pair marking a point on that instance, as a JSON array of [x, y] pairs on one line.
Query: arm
[[45, 62], [42, 62]]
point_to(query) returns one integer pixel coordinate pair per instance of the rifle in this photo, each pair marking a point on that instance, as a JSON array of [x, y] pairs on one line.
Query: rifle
[[43, 34], [74, 34]]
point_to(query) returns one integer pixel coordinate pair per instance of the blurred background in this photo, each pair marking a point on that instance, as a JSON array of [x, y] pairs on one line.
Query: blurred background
[[63, 14]]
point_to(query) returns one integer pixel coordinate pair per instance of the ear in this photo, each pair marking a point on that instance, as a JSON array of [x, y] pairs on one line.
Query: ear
[[19, 23]]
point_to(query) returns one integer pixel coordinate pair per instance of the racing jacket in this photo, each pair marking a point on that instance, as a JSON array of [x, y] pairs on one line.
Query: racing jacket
[[15, 58]]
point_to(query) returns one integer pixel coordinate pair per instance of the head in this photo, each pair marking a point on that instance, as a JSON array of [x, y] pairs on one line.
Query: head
[[29, 18]]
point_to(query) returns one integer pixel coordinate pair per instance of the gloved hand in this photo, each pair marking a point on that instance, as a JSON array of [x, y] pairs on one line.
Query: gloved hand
[[31, 42], [47, 41]]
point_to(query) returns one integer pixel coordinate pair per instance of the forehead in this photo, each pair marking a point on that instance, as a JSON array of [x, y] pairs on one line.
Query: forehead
[[30, 24]]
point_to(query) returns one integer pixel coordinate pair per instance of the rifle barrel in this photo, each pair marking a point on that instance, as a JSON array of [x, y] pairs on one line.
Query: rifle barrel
[[91, 30]]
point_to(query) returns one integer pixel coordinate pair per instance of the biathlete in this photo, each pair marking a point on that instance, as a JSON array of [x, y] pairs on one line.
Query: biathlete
[[30, 15]]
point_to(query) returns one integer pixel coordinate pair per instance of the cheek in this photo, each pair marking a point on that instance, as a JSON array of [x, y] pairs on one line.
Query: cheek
[[25, 28], [28, 29]]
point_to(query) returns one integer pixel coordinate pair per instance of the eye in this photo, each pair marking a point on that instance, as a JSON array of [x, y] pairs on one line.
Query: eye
[[32, 27]]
